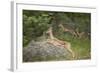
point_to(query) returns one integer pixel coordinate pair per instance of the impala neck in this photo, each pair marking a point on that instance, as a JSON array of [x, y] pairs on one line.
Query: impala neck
[[50, 32]]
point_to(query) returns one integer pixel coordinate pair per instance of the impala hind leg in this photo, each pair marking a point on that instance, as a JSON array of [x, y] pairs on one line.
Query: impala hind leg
[[68, 46]]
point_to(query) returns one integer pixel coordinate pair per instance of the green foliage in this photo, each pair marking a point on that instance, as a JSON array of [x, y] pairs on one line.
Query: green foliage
[[35, 23]]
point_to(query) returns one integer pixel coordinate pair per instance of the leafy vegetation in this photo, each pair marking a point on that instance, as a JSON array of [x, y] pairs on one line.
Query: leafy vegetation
[[67, 26]]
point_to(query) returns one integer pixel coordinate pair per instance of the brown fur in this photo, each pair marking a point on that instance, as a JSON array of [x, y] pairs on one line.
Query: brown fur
[[57, 42]]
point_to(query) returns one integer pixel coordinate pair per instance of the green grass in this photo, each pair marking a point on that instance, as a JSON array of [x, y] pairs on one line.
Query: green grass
[[81, 47]]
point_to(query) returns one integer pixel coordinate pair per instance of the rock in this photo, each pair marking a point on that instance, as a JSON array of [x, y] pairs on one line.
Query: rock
[[44, 51]]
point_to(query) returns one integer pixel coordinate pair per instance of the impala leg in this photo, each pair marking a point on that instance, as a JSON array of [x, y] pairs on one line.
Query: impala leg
[[68, 46]]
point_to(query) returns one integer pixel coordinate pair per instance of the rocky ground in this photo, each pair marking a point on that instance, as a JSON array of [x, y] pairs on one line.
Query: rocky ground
[[44, 51]]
